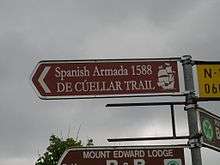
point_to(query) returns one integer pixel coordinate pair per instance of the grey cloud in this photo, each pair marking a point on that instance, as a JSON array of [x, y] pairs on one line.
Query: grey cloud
[[154, 10]]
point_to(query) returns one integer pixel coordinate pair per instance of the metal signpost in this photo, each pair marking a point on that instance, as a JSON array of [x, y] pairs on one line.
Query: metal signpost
[[191, 111], [141, 155], [210, 128], [208, 74], [105, 78]]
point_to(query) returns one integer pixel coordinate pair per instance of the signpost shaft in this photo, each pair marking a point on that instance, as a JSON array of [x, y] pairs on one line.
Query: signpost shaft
[[191, 112]]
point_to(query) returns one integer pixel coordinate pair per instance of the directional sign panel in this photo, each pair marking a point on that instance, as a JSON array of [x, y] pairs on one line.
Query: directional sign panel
[[105, 78], [124, 156], [209, 80], [210, 127]]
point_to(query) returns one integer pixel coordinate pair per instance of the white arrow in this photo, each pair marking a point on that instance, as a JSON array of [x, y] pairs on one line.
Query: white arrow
[[41, 79]]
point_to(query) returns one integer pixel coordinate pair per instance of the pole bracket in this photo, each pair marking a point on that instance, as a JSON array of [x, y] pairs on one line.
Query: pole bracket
[[195, 141], [190, 106]]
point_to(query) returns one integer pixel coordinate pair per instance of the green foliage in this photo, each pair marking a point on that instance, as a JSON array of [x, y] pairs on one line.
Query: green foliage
[[56, 149]]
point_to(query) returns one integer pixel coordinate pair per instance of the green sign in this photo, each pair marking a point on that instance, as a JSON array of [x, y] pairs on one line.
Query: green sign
[[210, 128], [172, 162]]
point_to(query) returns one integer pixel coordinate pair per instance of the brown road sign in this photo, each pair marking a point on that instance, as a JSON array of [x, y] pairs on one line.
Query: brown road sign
[[154, 155], [105, 78], [210, 128]]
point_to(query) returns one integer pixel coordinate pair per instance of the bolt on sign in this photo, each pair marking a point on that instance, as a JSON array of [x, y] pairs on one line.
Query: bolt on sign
[[124, 156], [105, 78], [209, 80], [210, 128]]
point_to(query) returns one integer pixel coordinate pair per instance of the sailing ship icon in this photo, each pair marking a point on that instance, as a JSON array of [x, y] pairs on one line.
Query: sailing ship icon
[[166, 78]]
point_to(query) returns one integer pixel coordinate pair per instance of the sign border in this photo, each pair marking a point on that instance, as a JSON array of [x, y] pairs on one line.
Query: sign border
[[180, 93]]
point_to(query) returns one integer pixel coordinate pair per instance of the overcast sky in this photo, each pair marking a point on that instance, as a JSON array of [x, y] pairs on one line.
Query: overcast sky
[[34, 30]]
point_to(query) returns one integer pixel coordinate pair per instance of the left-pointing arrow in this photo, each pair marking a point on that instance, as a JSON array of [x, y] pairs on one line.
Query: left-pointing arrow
[[41, 79]]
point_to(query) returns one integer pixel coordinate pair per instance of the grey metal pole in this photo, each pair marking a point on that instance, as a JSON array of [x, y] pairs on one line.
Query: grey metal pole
[[190, 107]]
